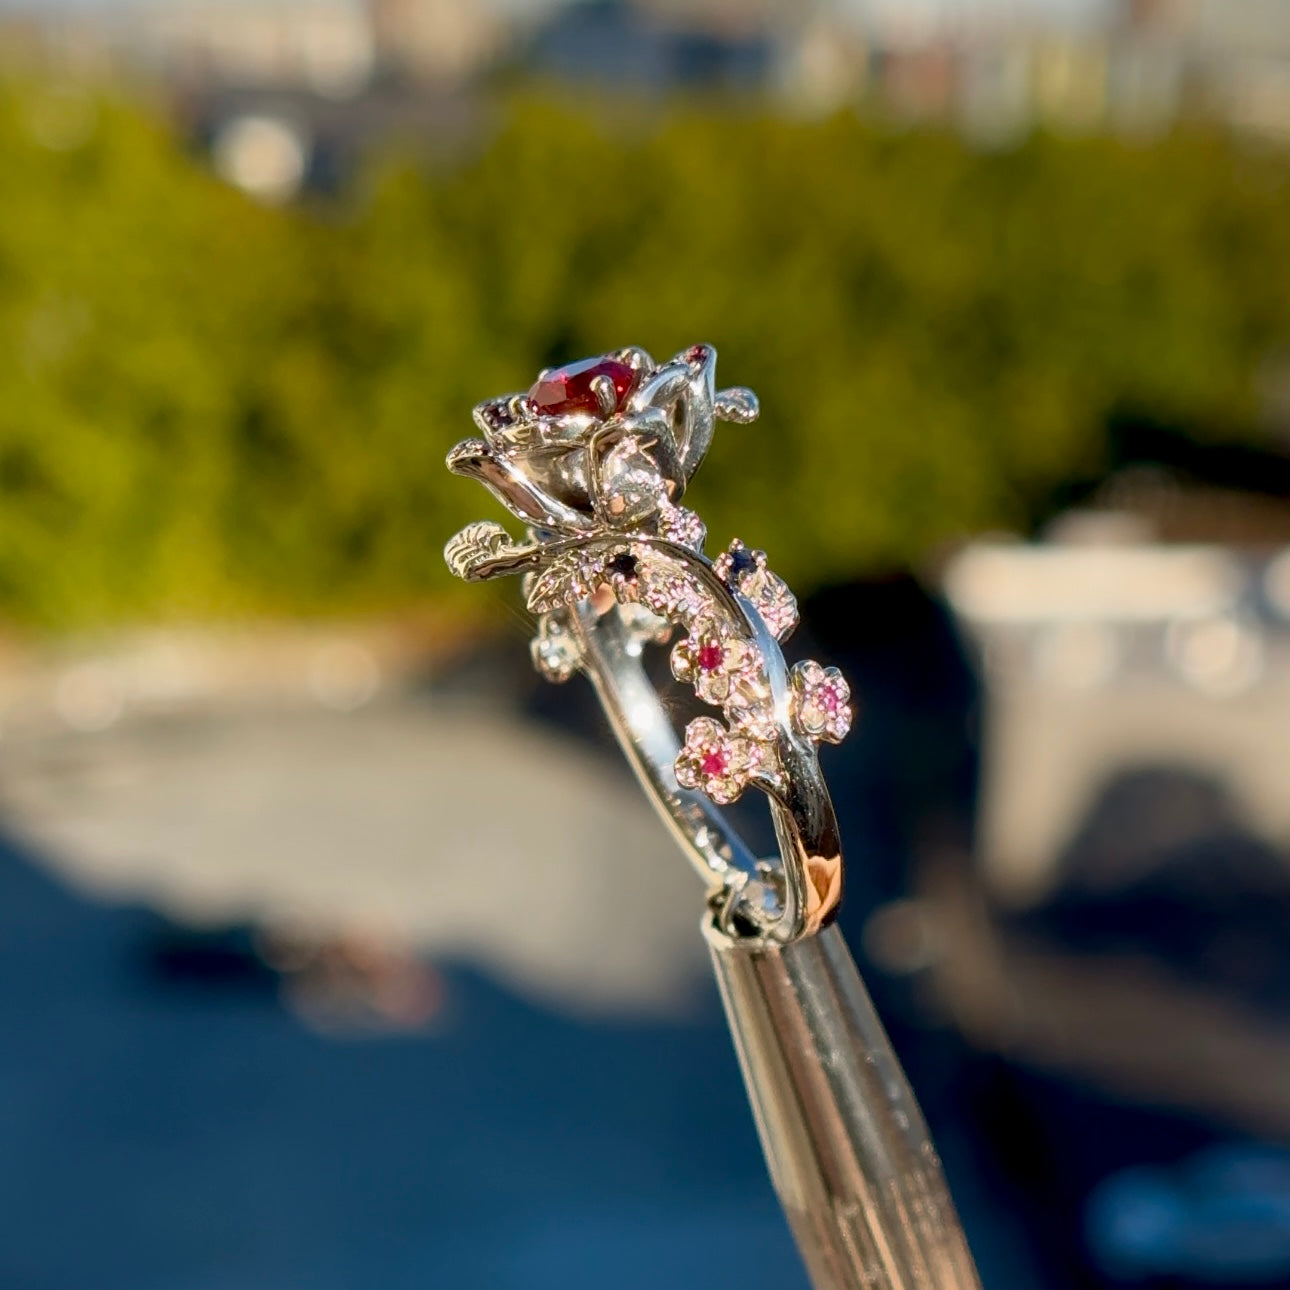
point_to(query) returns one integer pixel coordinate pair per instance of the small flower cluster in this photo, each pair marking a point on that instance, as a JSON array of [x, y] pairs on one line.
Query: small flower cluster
[[724, 669], [821, 702], [555, 649], [725, 666], [727, 671], [718, 761], [747, 573]]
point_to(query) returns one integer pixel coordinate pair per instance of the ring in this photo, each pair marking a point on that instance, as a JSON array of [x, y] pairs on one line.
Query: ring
[[595, 458]]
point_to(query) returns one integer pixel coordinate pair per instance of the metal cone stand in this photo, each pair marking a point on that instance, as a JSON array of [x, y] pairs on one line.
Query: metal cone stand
[[845, 1142]]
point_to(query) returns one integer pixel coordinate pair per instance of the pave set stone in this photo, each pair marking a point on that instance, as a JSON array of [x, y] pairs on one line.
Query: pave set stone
[[668, 589], [682, 526]]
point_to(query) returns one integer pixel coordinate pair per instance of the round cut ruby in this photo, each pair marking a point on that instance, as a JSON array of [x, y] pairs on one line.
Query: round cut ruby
[[568, 389], [710, 657], [714, 762], [829, 700]]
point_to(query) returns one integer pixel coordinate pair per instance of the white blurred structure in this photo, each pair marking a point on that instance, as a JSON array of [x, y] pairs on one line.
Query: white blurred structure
[[298, 780], [324, 45], [1100, 659], [456, 833], [445, 41], [264, 156]]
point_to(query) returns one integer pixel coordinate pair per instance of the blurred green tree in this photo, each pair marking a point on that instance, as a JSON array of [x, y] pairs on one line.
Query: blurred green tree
[[209, 408]]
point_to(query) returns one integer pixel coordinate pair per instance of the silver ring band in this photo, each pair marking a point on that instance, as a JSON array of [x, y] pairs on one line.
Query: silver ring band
[[595, 458]]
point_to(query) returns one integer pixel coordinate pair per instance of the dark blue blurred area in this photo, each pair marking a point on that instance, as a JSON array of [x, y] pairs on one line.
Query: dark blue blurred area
[[614, 45], [167, 1126]]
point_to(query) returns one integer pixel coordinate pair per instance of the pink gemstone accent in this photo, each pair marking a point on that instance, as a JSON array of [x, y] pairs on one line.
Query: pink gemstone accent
[[828, 700], [710, 657], [714, 763], [568, 389]]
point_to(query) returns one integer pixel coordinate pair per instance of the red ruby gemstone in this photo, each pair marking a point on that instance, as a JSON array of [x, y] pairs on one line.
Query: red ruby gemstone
[[714, 763], [829, 700], [710, 657], [568, 389]]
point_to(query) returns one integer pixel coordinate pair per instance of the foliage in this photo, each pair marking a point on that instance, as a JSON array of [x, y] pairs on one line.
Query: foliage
[[209, 408]]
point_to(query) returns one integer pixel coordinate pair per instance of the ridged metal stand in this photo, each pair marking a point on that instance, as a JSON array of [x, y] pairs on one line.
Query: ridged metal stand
[[846, 1144]]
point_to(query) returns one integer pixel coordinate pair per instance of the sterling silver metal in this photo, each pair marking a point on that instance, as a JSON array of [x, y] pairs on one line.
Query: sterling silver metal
[[613, 561], [595, 460], [847, 1148]]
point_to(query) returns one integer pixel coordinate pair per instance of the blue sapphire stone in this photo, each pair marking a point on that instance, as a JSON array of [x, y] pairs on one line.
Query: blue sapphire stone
[[741, 562], [623, 563]]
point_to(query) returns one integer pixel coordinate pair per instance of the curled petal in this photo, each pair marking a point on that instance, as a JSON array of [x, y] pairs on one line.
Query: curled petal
[[636, 358], [465, 457]]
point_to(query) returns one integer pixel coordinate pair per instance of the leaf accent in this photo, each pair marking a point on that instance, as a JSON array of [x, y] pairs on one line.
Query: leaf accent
[[561, 582], [474, 546]]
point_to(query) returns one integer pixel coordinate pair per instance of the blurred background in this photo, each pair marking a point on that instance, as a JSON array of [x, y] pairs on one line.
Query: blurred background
[[335, 949]]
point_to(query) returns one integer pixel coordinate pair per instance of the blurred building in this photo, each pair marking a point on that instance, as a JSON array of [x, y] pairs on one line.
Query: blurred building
[[993, 71], [1121, 927], [1103, 662], [288, 94], [1148, 636], [1136, 66], [653, 48], [437, 41], [1227, 57], [325, 45], [328, 46]]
